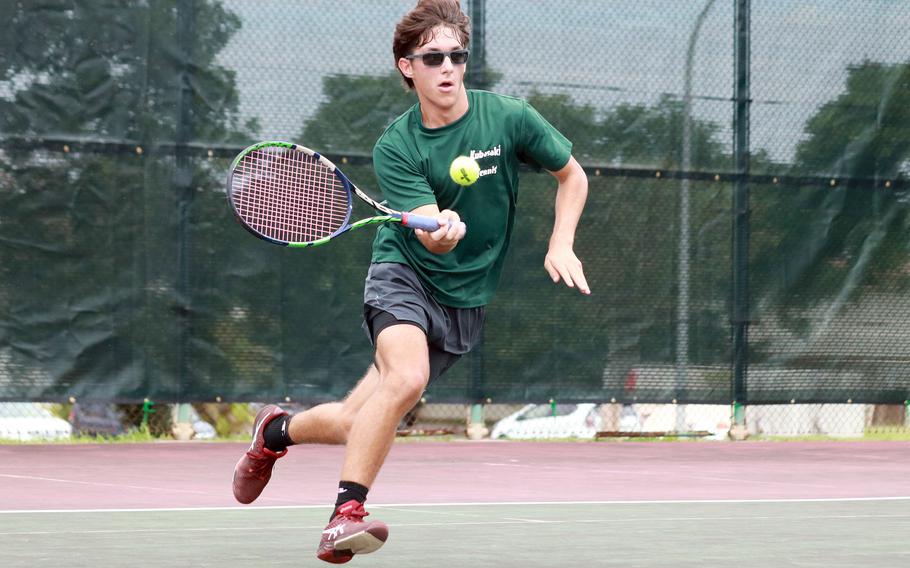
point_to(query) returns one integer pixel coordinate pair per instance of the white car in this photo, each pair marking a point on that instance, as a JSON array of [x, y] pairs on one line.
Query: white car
[[550, 421], [26, 421]]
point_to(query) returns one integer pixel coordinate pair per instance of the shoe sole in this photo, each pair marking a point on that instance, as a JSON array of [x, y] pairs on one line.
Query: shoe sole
[[364, 542]]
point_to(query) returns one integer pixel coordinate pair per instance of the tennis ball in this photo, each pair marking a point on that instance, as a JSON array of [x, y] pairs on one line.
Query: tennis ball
[[464, 170]]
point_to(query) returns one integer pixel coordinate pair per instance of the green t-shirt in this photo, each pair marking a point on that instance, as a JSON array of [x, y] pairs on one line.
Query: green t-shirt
[[412, 166]]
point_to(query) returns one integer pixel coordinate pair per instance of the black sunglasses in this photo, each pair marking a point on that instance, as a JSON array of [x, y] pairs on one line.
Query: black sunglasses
[[435, 58]]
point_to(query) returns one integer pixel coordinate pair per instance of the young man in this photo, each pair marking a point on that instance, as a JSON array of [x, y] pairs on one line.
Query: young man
[[425, 292]]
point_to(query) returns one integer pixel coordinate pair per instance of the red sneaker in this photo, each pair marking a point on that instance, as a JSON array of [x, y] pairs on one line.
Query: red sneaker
[[253, 471], [348, 534]]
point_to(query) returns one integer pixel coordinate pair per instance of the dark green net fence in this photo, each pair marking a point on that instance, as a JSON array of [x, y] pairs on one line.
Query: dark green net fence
[[124, 277]]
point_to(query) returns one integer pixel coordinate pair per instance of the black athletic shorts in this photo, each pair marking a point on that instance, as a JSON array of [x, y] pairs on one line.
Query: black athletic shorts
[[394, 294]]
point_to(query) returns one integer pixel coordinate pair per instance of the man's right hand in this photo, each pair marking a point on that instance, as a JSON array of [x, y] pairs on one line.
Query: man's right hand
[[446, 237]]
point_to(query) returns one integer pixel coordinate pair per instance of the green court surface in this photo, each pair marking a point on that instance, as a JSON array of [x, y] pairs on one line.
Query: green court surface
[[744, 534]]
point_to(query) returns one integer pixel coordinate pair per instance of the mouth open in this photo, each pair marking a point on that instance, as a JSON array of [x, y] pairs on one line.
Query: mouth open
[[447, 85]]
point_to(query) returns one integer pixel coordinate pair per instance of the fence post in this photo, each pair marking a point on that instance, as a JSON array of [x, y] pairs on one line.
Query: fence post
[[740, 308], [183, 185], [477, 70]]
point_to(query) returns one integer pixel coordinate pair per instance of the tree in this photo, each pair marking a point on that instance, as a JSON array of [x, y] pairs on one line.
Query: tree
[[579, 121], [820, 236], [651, 136], [88, 239], [357, 108], [864, 132], [98, 69]]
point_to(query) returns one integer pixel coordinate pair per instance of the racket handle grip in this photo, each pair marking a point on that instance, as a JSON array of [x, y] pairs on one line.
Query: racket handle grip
[[420, 222]]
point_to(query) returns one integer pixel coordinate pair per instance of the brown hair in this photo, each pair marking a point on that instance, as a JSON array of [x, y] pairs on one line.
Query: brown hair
[[414, 29]]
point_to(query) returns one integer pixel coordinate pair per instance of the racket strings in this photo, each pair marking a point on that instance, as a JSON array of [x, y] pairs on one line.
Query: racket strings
[[289, 196]]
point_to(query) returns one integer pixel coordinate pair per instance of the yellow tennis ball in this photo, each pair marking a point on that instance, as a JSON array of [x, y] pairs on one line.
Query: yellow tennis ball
[[464, 170]]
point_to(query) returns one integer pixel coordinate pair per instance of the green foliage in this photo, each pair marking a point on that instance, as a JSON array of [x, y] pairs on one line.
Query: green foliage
[[634, 135], [577, 121], [103, 70], [652, 136], [355, 112], [94, 295], [148, 420], [812, 243], [865, 131], [230, 420]]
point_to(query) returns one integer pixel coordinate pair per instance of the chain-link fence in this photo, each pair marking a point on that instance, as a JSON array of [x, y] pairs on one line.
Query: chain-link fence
[[745, 235], [33, 421]]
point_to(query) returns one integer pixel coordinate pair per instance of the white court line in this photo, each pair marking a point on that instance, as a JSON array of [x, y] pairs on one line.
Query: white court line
[[624, 521], [469, 504], [102, 484], [116, 485], [673, 474]]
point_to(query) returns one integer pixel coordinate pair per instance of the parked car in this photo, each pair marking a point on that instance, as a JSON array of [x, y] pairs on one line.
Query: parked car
[[26, 421], [550, 421]]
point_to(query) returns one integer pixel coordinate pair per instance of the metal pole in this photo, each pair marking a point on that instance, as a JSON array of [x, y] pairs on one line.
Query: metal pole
[[682, 322], [477, 80], [740, 308], [477, 74], [183, 176]]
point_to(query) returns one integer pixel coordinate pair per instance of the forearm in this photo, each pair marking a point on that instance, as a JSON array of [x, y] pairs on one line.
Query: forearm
[[571, 196], [561, 262]]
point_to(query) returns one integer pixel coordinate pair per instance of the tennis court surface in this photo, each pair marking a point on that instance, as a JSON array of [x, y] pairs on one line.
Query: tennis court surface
[[504, 504]]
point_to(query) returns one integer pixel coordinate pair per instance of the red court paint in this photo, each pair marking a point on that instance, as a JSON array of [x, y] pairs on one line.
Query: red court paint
[[168, 475]]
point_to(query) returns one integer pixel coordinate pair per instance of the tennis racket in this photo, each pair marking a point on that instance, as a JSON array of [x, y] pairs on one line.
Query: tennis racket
[[292, 196]]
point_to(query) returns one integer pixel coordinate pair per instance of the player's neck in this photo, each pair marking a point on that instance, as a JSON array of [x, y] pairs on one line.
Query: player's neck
[[434, 115]]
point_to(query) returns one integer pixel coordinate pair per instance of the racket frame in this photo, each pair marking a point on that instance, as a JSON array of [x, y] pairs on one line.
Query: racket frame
[[389, 215]]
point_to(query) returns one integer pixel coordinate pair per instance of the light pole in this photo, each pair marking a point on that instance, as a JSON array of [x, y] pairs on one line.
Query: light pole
[[682, 323]]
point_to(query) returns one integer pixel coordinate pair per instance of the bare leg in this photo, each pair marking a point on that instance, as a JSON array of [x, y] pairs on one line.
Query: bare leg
[[404, 369], [369, 416], [330, 423]]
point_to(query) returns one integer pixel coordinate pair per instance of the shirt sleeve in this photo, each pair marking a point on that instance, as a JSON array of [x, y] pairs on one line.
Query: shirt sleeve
[[403, 184], [541, 145]]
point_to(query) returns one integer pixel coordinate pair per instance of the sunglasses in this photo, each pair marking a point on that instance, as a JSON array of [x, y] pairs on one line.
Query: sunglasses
[[435, 58]]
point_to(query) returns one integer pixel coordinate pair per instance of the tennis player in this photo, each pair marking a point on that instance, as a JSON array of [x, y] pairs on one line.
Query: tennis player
[[425, 292]]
